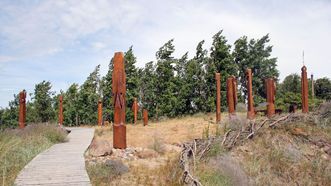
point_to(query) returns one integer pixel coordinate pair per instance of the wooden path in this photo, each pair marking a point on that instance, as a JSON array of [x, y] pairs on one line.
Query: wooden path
[[62, 164]]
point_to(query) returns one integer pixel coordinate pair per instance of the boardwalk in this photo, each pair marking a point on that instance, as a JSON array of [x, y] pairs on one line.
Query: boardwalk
[[62, 164]]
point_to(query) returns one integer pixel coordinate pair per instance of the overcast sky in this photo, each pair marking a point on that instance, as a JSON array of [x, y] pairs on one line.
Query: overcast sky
[[62, 41]]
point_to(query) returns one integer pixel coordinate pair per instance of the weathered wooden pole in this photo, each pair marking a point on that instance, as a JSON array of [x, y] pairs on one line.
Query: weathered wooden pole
[[145, 117], [22, 109], [119, 90], [250, 101], [60, 110], [135, 110], [99, 112], [304, 89], [231, 94], [218, 97], [271, 91], [312, 89]]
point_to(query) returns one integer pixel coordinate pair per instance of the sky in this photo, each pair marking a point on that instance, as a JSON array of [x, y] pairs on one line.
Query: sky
[[62, 41]]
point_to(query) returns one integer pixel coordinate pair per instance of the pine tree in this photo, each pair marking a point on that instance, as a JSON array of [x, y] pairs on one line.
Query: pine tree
[[148, 91], [70, 105], [132, 80], [166, 87], [43, 102], [88, 98], [107, 102], [223, 62]]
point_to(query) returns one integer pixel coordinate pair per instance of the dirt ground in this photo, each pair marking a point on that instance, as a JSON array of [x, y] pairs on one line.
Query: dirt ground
[[153, 149]]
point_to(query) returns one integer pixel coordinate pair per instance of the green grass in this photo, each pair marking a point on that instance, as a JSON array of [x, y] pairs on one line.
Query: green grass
[[211, 177], [18, 147]]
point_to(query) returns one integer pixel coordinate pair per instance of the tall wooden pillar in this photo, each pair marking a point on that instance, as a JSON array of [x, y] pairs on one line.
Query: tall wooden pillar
[[135, 111], [99, 113], [22, 109], [250, 101], [231, 94], [119, 90], [304, 89], [145, 117], [61, 110], [271, 91], [218, 97]]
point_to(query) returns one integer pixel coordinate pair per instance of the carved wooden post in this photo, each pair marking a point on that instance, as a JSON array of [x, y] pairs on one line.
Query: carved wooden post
[[135, 111], [218, 97], [271, 91], [99, 112], [231, 94], [145, 117], [304, 89], [250, 109], [22, 109], [119, 90], [61, 110]]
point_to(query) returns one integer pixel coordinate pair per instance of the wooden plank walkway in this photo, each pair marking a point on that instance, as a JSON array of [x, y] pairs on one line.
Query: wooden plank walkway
[[62, 164]]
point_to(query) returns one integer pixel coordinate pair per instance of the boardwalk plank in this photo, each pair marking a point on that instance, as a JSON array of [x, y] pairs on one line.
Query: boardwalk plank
[[62, 164]]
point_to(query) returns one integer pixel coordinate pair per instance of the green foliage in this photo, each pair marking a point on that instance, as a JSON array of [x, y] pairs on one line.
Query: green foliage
[[88, 97], [323, 88], [255, 54], [132, 80], [106, 85], [71, 105], [43, 102], [223, 62]]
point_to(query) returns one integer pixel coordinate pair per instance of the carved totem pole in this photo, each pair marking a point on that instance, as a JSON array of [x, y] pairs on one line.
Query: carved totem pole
[[231, 94], [60, 110], [145, 117], [271, 91], [250, 109], [135, 110], [99, 112], [218, 97], [22, 109], [304, 89], [119, 90]]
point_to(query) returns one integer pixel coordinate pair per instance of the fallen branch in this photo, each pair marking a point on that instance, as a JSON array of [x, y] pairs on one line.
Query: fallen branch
[[261, 125], [279, 120], [225, 136]]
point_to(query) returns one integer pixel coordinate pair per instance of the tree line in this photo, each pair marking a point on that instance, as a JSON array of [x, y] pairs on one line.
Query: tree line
[[170, 86]]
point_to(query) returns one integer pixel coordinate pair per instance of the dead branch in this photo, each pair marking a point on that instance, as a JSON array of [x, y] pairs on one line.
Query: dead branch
[[225, 136], [279, 120]]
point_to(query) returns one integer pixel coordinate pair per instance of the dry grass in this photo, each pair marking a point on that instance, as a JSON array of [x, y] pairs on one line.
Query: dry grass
[[277, 157], [172, 131], [18, 147]]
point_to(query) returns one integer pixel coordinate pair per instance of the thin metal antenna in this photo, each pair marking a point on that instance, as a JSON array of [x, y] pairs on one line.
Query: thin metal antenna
[[303, 58]]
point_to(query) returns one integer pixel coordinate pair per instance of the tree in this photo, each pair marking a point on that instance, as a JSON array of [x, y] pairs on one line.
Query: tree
[[89, 95], [43, 101], [223, 62], [323, 88], [291, 83], [255, 54], [166, 87], [148, 89], [9, 117], [132, 80], [70, 105], [106, 85]]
